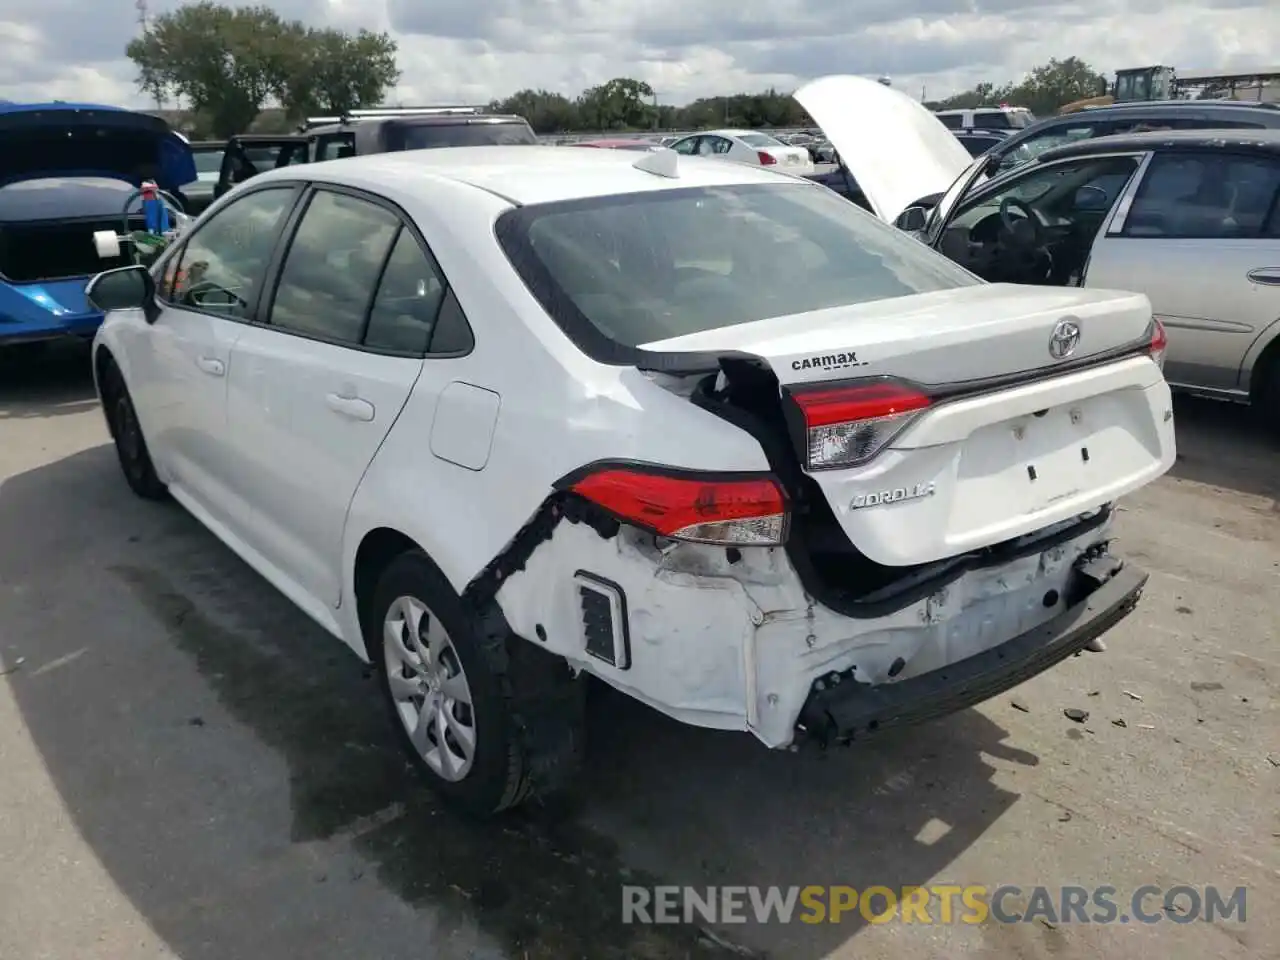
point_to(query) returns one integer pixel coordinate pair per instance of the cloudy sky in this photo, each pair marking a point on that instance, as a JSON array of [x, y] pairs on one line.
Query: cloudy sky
[[474, 50]]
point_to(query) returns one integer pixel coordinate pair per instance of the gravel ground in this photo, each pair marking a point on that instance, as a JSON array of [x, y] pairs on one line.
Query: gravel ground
[[189, 768]]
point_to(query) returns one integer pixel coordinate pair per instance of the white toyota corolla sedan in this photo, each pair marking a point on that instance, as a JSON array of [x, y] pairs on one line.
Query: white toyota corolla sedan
[[502, 418]]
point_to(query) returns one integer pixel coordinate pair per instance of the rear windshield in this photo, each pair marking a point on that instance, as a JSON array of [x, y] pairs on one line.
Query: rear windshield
[[760, 140], [633, 269], [428, 135]]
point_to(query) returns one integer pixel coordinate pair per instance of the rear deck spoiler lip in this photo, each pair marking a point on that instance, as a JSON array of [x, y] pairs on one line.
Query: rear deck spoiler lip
[[682, 363]]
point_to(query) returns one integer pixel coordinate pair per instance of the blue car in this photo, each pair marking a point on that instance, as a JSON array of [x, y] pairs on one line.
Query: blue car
[[66, 171]]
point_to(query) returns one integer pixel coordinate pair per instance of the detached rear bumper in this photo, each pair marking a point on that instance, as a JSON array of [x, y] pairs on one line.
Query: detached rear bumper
[[853, 710]]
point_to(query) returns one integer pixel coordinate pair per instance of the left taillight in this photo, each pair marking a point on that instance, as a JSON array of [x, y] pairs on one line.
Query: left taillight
[[1159, 342], [766, 159], [848, 425], [688, 505]]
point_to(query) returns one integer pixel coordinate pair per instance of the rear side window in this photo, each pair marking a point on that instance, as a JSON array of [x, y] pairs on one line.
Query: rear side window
[[952, 121], [633, 269], [332, 267], [1204, 196], [408, 300]]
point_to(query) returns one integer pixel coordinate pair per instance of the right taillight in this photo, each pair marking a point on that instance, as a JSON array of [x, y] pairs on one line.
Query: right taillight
[[689, 505], [1159, 342], [847, 425]]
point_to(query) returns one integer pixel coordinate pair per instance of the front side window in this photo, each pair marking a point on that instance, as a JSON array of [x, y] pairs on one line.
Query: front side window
[[221, 268], [639, 268], [1212, 195], [332, 267], [1062, 189], [688, 146]]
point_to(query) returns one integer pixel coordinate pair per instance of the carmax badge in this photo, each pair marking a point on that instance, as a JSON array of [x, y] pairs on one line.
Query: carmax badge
[[896, 495]]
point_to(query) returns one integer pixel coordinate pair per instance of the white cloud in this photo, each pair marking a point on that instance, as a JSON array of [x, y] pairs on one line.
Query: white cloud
[[475, 50]]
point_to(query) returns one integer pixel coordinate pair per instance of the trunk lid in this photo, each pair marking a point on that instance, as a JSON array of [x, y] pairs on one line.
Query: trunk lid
[[895, 148], [71, 140], [983, 462]]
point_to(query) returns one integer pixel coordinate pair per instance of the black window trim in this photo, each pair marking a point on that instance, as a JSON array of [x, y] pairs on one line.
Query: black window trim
[[275, 267], [180, 251], [1120, 231]]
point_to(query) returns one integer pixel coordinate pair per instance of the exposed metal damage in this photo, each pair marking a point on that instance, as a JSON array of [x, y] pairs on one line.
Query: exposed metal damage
[[730, 638]]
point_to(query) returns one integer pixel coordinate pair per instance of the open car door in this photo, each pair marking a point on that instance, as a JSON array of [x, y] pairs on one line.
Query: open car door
[[248, 155]]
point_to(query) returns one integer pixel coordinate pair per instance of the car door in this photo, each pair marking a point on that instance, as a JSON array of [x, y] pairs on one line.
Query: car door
[[207, 291], [314, 390], [244, 159], [1072, 200], [1200, 239]]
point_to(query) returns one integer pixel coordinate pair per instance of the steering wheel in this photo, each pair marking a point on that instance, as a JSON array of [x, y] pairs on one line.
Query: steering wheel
[[1024, 231]]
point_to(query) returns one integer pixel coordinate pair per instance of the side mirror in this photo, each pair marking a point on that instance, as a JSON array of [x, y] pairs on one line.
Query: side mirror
[[912, 219], [1090, 197], [126, 288]]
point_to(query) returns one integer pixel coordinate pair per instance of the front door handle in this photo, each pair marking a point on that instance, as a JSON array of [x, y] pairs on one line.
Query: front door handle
[[353, 407], [1268, 276], [211, 365]]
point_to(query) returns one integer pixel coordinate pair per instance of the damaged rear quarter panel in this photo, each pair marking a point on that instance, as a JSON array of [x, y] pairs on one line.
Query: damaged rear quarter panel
[[737, 645]]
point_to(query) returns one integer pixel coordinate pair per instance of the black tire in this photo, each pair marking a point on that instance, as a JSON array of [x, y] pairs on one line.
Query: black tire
[[525, 709], [1265, 399], [131, 446]]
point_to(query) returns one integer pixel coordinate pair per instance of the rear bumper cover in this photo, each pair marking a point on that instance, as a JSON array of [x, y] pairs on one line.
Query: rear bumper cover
[[852, 710]]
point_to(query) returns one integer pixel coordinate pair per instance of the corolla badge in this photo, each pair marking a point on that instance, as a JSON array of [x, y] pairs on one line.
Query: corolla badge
[[1064, 339], [896, 495]]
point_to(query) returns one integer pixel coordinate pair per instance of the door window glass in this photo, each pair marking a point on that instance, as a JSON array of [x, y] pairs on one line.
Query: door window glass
[[332, 267], [408, 300], [336, 147], [688, 146], [223, 263], [1207, 196]]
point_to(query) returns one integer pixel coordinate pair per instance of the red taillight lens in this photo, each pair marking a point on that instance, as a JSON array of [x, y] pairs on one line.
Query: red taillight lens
[[1159, 343], [847, 426], [766, 159], [746, 513]]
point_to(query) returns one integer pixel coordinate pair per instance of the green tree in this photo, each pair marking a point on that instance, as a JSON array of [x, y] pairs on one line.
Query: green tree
[[1048, 87], [329, 71], [226, 63], [620, 103], [546, 112]]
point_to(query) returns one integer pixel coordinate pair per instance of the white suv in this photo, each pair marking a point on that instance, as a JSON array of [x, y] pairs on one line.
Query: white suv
[[501, 417]]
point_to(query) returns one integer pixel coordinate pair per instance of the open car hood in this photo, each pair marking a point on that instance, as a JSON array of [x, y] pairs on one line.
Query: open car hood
[[76, 139], [895, 149]]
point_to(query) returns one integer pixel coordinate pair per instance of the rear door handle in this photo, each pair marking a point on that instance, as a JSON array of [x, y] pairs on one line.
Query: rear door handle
[[211, 365], [353, 407], [1269, 276]]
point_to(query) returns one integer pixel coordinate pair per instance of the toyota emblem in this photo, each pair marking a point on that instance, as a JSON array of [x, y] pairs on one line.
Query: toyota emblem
[[1064, 340]]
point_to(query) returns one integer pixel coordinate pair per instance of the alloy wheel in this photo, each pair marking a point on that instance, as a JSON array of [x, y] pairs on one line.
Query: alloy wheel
[[429, 687]]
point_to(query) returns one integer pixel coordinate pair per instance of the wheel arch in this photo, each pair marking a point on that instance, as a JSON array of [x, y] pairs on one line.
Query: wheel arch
[[377, 549], [1261, 356]]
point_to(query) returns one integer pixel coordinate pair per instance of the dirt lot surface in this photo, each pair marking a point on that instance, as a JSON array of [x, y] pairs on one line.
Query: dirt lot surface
[[189, 768]]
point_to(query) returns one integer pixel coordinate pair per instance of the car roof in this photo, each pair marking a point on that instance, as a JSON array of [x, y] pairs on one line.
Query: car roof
[[1267, 141], [1214, 104], [523, 174]]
